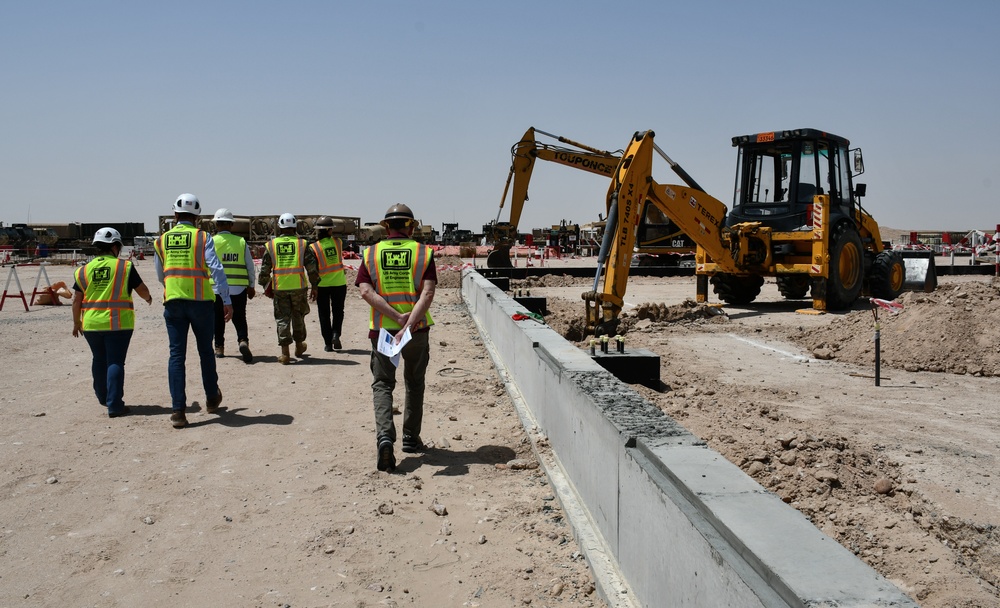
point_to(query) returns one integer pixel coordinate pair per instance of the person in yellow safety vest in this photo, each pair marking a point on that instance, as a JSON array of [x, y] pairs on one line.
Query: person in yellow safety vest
[[397, 278], [289, 265], [103, 313], [234, 253], [187, 266], [332, 292]]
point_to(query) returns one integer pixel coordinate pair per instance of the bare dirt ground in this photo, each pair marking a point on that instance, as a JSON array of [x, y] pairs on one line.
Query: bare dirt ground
[[901, 473], [276, 502]]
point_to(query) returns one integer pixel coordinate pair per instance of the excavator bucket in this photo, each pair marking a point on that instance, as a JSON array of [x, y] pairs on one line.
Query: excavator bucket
[[921, 274], [499, 257]]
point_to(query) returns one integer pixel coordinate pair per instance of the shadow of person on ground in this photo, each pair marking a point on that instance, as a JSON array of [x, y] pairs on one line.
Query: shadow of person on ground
[[451, 462], [233, 418]]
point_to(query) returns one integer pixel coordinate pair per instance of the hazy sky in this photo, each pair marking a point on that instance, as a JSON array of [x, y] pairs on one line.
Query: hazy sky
[[111, 109]]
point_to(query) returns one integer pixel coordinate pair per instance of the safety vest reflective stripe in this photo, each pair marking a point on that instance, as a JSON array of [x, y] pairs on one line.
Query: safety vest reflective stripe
[[107, 304], [185, 274], [289, 271], [106, 307], [81, 278], [331, 270]]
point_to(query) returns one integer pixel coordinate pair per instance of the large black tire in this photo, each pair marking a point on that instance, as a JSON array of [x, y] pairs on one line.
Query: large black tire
[[888, 275], [793, 287], [846, 277], [733, 289]]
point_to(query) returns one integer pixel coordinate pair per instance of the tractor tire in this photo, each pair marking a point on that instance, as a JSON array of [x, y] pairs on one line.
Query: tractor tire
[[733, 289], [888, 275], [793, 287], [846, 272]]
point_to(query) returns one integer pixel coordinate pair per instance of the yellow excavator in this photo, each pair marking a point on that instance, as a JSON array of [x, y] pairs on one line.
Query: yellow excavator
[[796, 216], [656, 234], [503, 235]]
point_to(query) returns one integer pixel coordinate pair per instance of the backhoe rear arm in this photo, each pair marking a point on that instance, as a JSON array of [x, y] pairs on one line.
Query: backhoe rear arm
[[698, 214]]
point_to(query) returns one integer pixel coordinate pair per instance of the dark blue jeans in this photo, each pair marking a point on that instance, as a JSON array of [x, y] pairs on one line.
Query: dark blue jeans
[[108, 367], [199, 316]]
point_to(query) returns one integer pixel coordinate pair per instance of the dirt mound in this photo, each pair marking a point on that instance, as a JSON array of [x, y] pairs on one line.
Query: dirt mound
[[449, 270], [548, 280], [688, 310], [955, 329]]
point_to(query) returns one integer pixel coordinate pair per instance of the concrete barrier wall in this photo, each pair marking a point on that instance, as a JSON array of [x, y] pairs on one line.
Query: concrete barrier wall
[[685, 526]]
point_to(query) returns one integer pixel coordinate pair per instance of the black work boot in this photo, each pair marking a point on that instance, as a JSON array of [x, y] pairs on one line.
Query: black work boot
[[386, 459]]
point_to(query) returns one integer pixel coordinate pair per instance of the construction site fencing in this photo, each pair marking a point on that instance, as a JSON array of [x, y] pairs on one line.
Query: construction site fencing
[[34, 255]]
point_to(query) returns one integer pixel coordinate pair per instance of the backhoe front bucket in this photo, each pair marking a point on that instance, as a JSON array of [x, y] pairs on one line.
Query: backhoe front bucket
[[921, 274], [499, 257]]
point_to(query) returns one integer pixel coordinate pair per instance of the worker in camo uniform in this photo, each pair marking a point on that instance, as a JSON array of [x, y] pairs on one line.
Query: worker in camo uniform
[[289, 265]]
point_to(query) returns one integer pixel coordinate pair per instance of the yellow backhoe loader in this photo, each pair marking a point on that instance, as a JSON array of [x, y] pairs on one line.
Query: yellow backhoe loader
[[796, 216]]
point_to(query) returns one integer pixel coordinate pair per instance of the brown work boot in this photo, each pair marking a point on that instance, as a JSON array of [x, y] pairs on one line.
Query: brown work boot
[[212, 405], [220, 352], [300, 349], [284, 357], [178, 420]]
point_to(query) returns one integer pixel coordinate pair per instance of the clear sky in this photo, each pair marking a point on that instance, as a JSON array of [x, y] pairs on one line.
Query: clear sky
[[111, 109]]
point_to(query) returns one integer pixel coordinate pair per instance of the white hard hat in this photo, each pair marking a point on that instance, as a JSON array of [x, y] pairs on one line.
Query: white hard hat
[[223, 215], [187, 203], [287, 220], [108, 235]]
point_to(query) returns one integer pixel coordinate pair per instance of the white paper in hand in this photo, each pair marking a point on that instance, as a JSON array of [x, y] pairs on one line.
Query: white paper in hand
[[388, 347]]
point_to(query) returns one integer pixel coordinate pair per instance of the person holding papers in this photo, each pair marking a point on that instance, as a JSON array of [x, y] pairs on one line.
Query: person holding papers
[[397, 279]]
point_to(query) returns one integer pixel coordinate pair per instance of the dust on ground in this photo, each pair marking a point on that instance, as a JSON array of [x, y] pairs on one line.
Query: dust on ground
[[276, 501], [900, 475]]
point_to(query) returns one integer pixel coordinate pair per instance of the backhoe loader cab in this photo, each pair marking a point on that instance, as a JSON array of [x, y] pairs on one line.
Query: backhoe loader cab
[[779, 173], [796, 216]]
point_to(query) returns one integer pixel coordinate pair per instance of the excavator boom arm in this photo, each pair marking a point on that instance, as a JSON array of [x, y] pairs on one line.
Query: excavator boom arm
[[528, 149]]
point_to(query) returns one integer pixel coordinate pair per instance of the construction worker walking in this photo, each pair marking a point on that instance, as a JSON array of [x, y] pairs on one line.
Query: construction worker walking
[[103, 313], [289, 265], [397, 278], [185, 259], [332, 283], [234, 253]]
